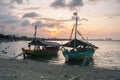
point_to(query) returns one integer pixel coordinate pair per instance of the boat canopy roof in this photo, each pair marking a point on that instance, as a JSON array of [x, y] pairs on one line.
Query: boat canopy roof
[[43, 43], [79, 43]]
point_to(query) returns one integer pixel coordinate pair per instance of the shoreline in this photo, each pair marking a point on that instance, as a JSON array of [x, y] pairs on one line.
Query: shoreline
[[13, 69]]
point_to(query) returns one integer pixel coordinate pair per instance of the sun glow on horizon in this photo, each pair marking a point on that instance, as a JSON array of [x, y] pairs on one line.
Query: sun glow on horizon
[[53, 31]]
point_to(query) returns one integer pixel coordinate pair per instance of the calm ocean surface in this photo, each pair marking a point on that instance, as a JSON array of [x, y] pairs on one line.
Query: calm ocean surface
[[107, 56]]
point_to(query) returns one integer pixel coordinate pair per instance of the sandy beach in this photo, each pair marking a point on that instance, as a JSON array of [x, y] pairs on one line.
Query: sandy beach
[[11, 69]]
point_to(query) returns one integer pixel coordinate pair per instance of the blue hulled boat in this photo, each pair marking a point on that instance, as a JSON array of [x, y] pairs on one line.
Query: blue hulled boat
[[77, 49]]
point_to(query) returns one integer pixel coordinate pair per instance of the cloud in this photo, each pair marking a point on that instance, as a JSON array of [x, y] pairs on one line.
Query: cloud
[[45, 24], [18, 1], [94, 1], [5, 2], [6, 7], [75, 3], [58, 4], [15, 1], [118, 1], [25, 23], [111, 16], [31, 8], [71, 4], [30, 15], [8, 19], [8, 2], [38, 23], [54, 20]]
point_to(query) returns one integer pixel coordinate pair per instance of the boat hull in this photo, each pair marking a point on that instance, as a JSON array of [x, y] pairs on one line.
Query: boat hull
[[77, 55], [40, 53]]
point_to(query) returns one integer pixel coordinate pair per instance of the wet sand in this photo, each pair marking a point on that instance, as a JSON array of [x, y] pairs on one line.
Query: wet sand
[[11, 69]]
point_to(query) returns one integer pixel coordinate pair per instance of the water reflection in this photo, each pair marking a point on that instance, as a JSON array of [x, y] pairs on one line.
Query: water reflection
[[43, 58], [81, 62], [107, 56]]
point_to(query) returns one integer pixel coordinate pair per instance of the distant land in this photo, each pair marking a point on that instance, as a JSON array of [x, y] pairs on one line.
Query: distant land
[[16, 38]]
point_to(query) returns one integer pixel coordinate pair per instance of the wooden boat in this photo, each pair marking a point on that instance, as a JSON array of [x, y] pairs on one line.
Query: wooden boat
[[40, 48], [80, 49]]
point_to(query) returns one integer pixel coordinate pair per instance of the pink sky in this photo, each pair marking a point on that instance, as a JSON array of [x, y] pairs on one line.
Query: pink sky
[[54, 17]]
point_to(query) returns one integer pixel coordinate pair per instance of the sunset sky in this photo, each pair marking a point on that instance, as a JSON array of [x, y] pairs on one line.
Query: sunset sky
[[97, 18]]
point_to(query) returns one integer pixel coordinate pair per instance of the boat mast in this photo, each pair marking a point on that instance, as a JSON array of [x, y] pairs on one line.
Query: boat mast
[[76, 17], [35, 31]]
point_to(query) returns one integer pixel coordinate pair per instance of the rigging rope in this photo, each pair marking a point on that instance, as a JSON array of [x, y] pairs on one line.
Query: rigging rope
[[77, 32], [72, 31], [80, 34]]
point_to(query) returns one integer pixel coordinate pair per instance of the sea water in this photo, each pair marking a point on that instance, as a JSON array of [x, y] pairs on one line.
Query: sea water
[[107, 56]]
